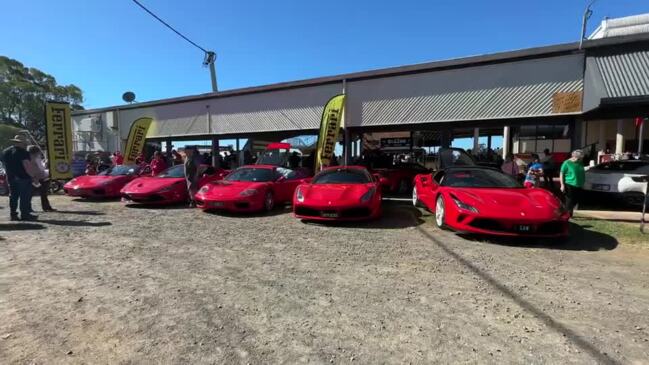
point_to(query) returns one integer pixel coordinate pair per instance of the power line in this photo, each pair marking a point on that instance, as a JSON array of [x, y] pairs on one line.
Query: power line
[[169, 26]]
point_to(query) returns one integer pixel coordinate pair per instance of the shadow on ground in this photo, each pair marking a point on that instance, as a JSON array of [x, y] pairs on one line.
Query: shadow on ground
[[279, 210], [581, 239], [158, 206], [21, 226], [583, 343], [396, 215], [57, 222], [96, 200], [79, 212]]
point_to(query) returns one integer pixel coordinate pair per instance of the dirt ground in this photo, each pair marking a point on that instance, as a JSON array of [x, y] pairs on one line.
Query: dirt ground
[[102, 283]]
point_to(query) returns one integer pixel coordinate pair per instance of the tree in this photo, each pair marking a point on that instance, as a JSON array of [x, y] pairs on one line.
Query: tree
[[23, 93]]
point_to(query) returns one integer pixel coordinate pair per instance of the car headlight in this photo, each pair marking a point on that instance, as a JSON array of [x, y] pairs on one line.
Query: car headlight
[[464, 206], [248, 192], [368, 195], [204, 189], [299, 195]]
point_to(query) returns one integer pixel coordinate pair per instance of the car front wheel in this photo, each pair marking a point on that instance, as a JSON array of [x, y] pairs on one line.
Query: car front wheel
[[269, 201], [415, 198], [440, 212]]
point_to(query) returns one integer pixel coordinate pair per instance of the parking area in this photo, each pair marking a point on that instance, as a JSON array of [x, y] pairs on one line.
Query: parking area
[[98, 282]]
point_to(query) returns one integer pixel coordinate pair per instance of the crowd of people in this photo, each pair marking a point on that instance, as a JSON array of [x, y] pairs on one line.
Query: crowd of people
[[26, 170]]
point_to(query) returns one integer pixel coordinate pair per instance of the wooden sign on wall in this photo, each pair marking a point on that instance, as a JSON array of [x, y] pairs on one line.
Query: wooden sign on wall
[[566, 102]]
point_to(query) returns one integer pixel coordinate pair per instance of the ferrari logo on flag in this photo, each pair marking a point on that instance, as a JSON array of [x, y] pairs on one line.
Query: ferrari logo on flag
[[136, 139], [332, 116]]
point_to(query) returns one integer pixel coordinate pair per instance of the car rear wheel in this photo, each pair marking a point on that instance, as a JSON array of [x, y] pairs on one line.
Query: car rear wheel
[[269, 201], [440, 213], [415, 198]]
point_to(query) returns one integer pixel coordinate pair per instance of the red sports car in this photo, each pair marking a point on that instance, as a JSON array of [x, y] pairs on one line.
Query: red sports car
[[481, 200], [167, 187], [339, 193], [106, 184], [398, 178], [251, 188]]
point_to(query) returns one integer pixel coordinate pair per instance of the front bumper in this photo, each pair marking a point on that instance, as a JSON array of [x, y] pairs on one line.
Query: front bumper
[[154, 198], [511, 228], [243, 204], [98, 192], [341, 213]]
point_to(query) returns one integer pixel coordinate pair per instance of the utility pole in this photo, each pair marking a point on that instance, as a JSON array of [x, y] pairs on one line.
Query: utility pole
[[210, 60], [584, 22]]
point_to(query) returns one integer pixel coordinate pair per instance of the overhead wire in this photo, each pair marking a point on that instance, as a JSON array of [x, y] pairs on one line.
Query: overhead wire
[[169, 26]]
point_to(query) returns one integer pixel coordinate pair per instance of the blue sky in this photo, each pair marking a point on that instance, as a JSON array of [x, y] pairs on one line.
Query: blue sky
[[108, 47]]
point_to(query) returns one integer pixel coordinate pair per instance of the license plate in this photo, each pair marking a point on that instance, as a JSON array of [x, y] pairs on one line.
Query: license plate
[[216, 204], [602, 187], [524, 228], [330, 214]]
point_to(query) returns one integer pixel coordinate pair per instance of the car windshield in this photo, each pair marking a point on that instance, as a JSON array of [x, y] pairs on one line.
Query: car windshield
[[251, 174], [120, 170], [478, 178], [173, 172], [621, 165], [343, 176]]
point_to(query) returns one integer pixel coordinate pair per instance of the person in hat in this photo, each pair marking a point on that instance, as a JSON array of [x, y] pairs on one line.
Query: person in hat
[[19, 176]]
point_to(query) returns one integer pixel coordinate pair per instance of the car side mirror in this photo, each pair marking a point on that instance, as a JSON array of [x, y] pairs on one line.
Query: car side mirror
[[426, 181], [377, 177], [383, 181]]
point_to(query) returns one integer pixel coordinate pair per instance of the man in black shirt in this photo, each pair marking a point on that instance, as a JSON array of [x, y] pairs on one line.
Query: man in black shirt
[[19, 176]]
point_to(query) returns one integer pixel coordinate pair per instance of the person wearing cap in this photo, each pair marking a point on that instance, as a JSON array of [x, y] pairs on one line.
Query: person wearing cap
[[19, 176], [38, 167]]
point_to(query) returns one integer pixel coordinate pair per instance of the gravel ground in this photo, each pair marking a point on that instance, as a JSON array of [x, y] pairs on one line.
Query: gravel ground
[[102, 283]]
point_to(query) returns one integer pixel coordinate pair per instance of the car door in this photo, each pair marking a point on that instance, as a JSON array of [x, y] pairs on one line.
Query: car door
[[287, 182], [429, 185]]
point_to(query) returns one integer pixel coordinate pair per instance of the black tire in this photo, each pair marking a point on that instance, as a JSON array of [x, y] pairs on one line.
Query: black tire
[[269, 201], [55, 186]]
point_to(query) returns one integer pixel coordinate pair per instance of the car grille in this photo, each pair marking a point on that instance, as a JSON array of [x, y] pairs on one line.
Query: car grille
[[355, 213], [345, 213], [146, 199], [242, 205]]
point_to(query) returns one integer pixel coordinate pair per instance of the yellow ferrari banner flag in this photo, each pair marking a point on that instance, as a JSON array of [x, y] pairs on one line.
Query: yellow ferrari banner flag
[[59, 139], [332, 116], [136, 139]]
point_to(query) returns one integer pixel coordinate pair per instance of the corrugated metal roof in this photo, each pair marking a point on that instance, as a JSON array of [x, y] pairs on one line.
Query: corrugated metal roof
[[624, 74], [512, 90]]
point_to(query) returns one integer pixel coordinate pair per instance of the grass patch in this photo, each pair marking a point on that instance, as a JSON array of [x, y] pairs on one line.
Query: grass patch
[[623, 232]]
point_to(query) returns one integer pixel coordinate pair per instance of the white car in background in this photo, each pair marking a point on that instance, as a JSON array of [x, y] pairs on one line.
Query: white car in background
[[616, 177]]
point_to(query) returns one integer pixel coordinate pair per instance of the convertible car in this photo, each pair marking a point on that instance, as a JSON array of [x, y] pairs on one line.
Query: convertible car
[[251, 188], [615, 179], [106, 184], [398, 178], [168, 187], [339, 193], [481, 200]]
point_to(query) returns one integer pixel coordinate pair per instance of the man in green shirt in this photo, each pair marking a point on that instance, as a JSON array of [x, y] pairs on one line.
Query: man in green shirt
[[572, 178]]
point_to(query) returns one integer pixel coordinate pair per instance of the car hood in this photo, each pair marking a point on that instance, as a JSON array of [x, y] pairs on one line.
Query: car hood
[[231, 189], [145, 185], [510, 203], [334, 193], [92, 181]]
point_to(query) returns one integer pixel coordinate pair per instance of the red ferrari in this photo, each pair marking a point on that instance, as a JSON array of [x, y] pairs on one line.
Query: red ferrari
[[251, 188], [106, 184], [168, 187], [339, 193], [481, 200]]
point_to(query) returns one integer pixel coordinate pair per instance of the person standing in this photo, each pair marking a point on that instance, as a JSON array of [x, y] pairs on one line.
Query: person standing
[[572, 176], [38, 167], [534, 173], [158, 163], [18, 169], [191, 173], [549, 169]]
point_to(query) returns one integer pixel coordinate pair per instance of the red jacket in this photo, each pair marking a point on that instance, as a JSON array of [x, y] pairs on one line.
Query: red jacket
[[157, 166]]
